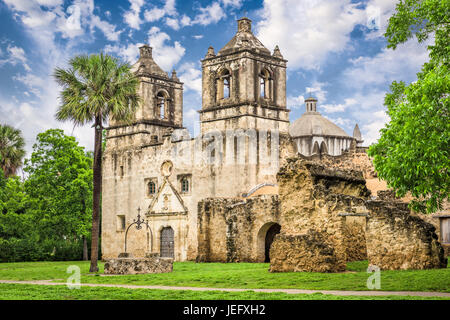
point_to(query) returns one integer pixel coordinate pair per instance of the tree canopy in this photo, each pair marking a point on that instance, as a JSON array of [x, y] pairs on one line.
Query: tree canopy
[[60, 185], [412, 154], [12, 149]]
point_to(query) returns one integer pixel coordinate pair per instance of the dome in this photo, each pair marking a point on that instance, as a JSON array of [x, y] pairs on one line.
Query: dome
[[313, 123]]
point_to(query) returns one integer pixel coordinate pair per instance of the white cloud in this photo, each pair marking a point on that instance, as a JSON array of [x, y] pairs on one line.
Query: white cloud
[[341, 107], [210, 14], [308, 30], [165, 55], [346, 123], [317, 91], [173, 23], [44, 20], [131, 17], [16, 55], [185, 21], [295, 102], [197, 36], [232, 3], [191, 76], [388, 65], [53, 18], [371, 130], [156, 13], [128, 53]]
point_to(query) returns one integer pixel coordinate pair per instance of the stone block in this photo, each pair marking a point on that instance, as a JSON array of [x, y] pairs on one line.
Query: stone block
[[152, 263], [310, 252]]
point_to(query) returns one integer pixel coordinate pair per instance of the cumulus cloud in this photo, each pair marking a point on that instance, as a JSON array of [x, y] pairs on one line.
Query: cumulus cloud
[[191, 76], [44, 21], [341, 107], [156, 13], [205, 16], [308, 30], [128, 53], [210, 14], [132, 17], [173, 23], [15, 56], [48, 16], [295, 102], [317, 90], [164, 54], [388, 65], [232, 3]]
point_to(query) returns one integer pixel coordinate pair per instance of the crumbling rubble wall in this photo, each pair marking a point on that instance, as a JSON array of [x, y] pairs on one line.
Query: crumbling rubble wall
[[397, 240], [311, 199], [228, 228], [304, 252]]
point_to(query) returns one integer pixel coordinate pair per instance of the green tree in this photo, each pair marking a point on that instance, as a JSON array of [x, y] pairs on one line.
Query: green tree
[[412, 154], [11, 149], [96, 88], [59, 186]]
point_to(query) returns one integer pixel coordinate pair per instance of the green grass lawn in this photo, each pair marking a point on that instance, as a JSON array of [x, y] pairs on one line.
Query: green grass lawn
[[240, 275], [43, 292]]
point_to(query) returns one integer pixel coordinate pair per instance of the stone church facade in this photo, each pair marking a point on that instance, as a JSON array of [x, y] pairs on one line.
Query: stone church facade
[[186, 187]]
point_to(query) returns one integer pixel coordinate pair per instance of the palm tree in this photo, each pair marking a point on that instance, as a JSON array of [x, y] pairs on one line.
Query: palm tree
[[11, 149], [96, 88]]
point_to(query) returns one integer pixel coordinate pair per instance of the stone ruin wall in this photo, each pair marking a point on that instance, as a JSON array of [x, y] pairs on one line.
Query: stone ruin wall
[[330, 220], [397, 240], [354, 159], [311, 199], [228, 228], [326, 220]]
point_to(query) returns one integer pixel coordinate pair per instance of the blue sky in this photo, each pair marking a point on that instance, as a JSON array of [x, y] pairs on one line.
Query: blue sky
[[335, 51]]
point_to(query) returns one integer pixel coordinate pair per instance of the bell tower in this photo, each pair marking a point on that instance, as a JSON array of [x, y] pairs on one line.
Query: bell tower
[[161, 107], [244, 85]]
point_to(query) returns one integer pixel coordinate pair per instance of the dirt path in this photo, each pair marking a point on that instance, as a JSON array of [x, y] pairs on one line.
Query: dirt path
[[290, 291]]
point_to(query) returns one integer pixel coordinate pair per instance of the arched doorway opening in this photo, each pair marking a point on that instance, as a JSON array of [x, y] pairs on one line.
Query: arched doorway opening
[[273, 230], [167, 242], [265, 238]]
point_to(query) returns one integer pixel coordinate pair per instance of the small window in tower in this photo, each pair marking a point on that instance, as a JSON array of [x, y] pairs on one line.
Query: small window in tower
[[161, 105], [226, 87], [264, 84], [223, 85]]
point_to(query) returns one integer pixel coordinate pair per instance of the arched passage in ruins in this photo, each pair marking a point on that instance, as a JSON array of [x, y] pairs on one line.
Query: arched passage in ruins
[[265, 238]]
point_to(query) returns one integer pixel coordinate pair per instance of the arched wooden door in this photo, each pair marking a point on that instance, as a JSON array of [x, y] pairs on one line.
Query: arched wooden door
[[167, 242]]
